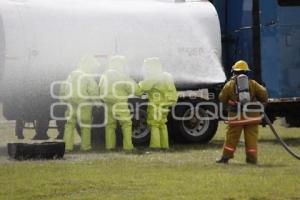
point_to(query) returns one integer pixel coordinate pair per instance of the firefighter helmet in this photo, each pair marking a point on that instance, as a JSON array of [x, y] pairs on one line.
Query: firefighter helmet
[[240, 66]]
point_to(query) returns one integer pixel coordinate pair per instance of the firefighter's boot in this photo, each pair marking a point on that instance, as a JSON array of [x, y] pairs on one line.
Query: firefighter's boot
[[222, 160]]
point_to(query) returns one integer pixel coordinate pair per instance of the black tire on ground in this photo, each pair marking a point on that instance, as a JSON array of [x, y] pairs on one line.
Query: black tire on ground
[[44, 150], [194, 129]]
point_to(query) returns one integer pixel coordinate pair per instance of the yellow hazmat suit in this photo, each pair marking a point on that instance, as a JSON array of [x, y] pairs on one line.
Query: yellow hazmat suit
[[81, 87], [115, 87], [162, 95]]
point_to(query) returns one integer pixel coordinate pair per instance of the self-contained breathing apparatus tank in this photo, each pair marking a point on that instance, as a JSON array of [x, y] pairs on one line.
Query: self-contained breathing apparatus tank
[[242, 88]]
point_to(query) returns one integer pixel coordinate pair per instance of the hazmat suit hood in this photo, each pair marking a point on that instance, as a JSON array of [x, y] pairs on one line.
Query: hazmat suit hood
[[117, 63], [89, 64], [152, 68]]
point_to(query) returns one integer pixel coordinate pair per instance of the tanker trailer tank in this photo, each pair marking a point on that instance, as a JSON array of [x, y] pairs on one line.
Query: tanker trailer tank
[[45, 39]]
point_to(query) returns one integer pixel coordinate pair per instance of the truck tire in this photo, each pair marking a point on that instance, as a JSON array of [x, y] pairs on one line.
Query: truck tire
[[193, 130], [140, 128], [97, 133]]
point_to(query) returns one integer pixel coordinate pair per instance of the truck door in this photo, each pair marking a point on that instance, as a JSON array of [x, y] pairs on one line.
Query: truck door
[[280, 47]]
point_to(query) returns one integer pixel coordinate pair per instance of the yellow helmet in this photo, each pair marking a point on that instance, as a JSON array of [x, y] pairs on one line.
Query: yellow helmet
[[117, 62], [89, 64], [152, 67], [240, 66]]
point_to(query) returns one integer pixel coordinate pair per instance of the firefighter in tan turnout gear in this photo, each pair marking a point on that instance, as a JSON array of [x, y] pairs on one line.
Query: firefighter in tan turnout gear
[[236, 92]]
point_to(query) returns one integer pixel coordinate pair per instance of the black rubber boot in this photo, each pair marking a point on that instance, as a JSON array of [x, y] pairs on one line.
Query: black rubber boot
[[60, 136], [60, 128], [252, 161], [40, 137], [41, 128], [222, 160]]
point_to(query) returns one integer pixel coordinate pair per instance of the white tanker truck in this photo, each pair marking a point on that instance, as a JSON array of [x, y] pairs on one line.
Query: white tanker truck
[[41, 42]]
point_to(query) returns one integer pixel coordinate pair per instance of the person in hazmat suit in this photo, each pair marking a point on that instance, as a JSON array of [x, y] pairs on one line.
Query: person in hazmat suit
[[235, 94], [83, 89], [115, 88], [162, 94]]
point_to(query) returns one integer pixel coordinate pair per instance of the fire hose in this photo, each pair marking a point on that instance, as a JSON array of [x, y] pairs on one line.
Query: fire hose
[[258, 120], [285, 145], [242, 86]]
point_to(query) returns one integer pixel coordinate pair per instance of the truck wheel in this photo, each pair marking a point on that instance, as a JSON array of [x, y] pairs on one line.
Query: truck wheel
[[141, 130], [97, 133], [196, 128]]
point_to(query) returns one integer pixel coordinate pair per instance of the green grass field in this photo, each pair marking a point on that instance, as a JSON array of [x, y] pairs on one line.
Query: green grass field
[[186, 172]]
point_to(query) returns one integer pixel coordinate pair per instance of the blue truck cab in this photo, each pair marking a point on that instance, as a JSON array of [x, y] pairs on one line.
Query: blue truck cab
[[266, 33]]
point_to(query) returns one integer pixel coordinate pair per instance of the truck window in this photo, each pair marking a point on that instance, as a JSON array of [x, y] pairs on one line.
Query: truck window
[[289, 2]]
